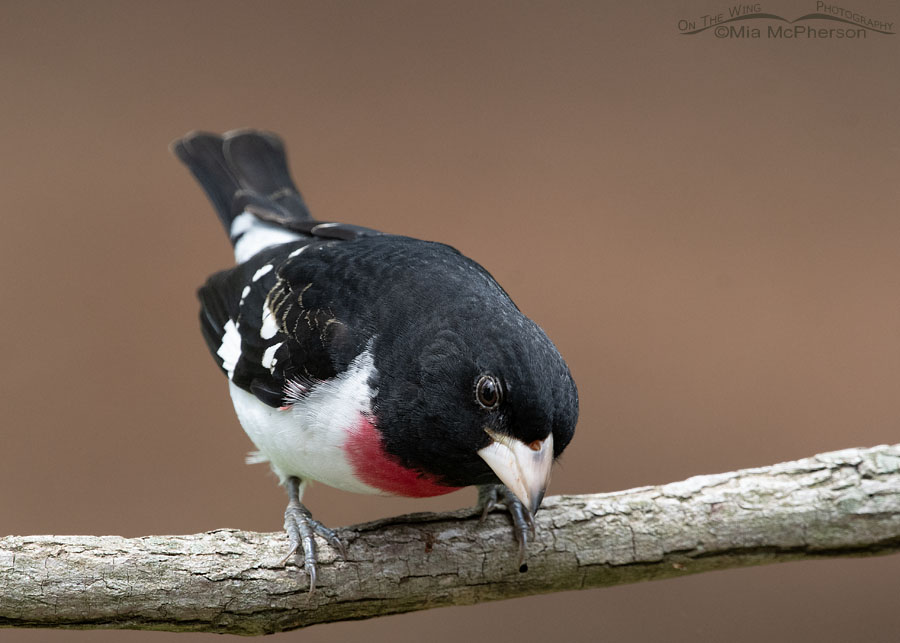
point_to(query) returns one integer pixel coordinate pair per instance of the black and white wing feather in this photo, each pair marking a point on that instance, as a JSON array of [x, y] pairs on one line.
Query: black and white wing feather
[[263, 333]]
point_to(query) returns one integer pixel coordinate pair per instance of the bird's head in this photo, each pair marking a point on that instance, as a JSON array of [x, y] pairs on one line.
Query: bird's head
[[476, 401]]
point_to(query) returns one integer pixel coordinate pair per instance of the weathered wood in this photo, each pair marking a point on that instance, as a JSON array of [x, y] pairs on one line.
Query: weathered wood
[[844, 503]]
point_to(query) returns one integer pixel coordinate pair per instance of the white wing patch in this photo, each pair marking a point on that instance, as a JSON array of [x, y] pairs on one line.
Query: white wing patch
[[257, 235], [262, 271], [307, 440], [269, 326], [268, 358], [230, 349]]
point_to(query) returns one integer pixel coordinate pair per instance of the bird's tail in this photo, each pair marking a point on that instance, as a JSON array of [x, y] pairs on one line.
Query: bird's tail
[[244, 171]]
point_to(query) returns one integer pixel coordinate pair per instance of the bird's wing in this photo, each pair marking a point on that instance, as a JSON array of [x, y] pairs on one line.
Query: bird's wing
[[268, 324]]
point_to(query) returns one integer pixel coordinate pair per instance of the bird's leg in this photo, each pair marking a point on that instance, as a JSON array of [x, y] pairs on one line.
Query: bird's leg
[[491, 495], [301, 527]]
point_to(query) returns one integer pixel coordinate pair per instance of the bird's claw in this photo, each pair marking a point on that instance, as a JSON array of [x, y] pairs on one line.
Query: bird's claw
[[490, 497], [301, 528]]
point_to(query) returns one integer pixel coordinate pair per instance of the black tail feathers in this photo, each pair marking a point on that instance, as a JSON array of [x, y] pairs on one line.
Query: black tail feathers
[[244, 170]]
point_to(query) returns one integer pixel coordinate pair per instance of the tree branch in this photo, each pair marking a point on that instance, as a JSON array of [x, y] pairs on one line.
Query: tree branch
[[845, 503]]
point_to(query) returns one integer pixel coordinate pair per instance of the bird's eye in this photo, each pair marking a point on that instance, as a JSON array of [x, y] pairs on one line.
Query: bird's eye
[[487, 391]]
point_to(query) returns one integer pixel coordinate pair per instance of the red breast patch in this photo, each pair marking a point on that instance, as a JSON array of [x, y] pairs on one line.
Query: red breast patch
[[376, 468]]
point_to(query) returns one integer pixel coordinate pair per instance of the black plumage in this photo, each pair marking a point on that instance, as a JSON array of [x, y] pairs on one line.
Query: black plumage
[[299, 313]]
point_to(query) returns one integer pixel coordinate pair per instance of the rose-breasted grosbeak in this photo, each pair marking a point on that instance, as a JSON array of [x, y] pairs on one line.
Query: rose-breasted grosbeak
[[371, 362]]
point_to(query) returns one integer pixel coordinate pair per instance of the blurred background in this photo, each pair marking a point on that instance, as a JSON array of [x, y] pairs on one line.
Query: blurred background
[[707, 228]]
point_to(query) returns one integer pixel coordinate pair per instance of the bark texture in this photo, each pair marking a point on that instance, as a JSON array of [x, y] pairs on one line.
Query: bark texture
[[844, 503]]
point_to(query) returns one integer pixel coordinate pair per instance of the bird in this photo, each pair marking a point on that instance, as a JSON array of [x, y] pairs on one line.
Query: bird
[[371, 362]]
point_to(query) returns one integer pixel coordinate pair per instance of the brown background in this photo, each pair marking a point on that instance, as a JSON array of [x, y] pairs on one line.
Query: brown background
[[707, 228]]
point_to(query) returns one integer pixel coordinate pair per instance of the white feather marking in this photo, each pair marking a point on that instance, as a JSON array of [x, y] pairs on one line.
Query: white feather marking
[[256, 235], [295, 390], [307, 440], [297, 252], [230, 349], [262, 271], [255, 457], [244, 293], [268, 358], [269, 327], [241, 223]]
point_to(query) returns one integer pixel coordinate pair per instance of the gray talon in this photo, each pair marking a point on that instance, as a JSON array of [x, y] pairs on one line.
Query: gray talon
[[301, 527], [490, 496]]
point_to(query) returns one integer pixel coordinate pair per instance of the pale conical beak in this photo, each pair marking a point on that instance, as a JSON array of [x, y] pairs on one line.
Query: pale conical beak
[[523, 468]]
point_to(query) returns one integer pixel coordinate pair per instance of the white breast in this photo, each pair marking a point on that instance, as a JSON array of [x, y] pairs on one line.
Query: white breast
[[307, 440]]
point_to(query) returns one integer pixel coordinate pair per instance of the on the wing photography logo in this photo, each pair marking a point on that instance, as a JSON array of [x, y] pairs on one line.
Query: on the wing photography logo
[[828, 22]]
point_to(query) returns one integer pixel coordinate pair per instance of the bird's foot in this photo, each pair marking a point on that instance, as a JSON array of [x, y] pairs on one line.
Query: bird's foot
[[492, 495], [301, 528]]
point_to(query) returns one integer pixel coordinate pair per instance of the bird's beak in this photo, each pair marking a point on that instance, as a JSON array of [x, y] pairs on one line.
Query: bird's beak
[[523, 468]]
